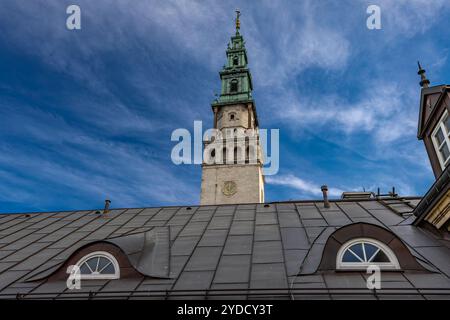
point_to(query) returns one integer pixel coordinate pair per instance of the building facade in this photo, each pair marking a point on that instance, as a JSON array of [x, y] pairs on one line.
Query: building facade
[[434, 129]]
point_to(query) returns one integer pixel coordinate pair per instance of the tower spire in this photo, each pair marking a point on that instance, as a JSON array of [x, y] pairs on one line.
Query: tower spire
[[235, 75], [238, 23], [232, 168], [424, 82]]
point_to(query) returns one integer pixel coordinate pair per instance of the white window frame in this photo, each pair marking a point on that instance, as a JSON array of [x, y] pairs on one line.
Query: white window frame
[[106, 255], [441, 125], [392, 265]]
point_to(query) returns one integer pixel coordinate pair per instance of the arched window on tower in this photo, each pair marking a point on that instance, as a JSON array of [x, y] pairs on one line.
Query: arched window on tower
[[234, 85], [232, 116], [235, 154], [235, 61], [252, 153], [247, 154], [224, 155]]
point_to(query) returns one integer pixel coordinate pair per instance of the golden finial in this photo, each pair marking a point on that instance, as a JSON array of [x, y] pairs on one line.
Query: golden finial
[[238, 23]]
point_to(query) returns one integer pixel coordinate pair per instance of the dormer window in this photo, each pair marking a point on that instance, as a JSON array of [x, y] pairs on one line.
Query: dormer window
[[234, 85], [99, 265], [441, 140], [358, 254]]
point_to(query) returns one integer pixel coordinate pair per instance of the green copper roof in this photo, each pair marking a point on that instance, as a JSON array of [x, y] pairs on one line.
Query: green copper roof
[[236, 80]]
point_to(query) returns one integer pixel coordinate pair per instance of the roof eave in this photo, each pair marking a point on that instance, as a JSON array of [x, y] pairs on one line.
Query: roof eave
[[433, 196]]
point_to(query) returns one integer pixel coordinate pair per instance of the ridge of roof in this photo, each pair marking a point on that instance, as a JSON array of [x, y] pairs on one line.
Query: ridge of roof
[[216, 205]]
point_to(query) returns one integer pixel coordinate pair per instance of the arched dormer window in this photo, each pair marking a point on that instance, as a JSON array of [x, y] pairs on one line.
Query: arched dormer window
[[235, 60], [99, 265], [346, 236], [233, 85], [358, 254]]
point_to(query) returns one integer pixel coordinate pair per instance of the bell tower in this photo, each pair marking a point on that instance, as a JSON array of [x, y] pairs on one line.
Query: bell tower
[[232, 157]]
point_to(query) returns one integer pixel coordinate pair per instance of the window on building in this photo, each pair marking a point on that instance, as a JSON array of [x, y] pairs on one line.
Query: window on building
[[234, 85], [232, 116], [441, 140], [358, 254], [99, 265], [252, 154], [224, 155], [235, 60], [247, 154]]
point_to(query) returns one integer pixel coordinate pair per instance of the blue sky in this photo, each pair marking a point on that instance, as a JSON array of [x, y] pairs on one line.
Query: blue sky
[[87, 115]]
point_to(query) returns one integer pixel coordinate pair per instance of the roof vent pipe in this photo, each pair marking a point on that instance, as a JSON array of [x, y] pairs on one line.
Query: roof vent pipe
[[326, 203], [107, 203]]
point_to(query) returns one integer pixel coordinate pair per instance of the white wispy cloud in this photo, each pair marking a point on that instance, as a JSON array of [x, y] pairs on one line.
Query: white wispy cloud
[[87, 163], [406, 18], [377, 111], [304, 186], [290, 40]]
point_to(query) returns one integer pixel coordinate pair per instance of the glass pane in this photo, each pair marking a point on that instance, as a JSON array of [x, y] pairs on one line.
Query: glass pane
[[109, 269], [447, 123], [381, 257], [84, 269], [445, 152], [349, 257], [102, 263], [370, 250], [357, 248], [439, 136], [92, 263]]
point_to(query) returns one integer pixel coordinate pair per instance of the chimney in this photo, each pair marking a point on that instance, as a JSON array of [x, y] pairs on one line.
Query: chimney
[[107, 203], [326, 203]]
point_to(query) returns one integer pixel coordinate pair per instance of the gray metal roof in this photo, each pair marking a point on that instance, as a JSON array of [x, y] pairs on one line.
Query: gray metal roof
[[228, 251]]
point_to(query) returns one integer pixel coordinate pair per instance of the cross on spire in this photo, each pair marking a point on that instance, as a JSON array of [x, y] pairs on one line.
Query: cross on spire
[[238, 23]]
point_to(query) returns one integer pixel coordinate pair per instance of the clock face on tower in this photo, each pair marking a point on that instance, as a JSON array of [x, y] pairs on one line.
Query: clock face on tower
[[229, 188]]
